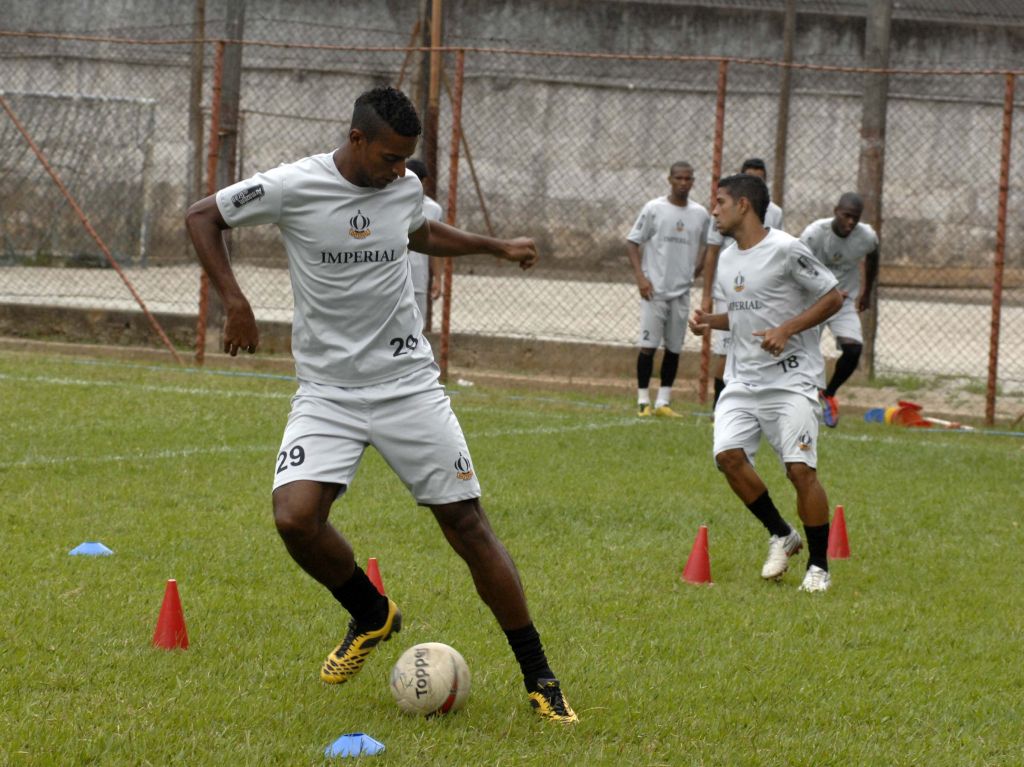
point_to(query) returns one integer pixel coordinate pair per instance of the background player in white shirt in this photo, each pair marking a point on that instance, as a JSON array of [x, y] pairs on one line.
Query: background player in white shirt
[[426, 272], [717, 242], [850, 249], [366, 373], [672, 232], [778, 295]]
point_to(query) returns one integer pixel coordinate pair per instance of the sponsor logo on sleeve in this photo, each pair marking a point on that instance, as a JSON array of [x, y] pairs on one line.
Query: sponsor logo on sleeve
[[247, 195], [807, 265]]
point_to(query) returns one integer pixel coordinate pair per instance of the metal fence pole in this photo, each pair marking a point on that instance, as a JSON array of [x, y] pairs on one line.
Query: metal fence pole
[[785, 93], [453, 189], [716, 172], [1000, 255], [871, 172], [211, 187]]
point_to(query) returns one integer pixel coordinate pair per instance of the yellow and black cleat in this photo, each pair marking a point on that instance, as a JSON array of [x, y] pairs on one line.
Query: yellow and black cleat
[[348, 657], [549, 703]]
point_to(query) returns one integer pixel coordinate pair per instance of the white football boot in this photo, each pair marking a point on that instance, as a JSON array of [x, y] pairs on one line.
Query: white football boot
[[779, 552], [816, 579]]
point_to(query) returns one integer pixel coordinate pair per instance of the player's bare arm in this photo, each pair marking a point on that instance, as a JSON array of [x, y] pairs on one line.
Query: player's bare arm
[[642, 283], [206, 227], [709, 269], [701, 322], [869, 275], [437, 239], [773, 340]]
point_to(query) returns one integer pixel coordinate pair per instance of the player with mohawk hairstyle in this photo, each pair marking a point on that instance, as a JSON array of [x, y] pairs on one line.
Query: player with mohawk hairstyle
[[366, 372]]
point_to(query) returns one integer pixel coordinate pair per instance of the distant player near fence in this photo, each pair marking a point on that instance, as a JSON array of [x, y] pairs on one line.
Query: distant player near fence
[[717, 242], [850, 250], [778, 295], [666, 249], [426, 273], [366, 372]]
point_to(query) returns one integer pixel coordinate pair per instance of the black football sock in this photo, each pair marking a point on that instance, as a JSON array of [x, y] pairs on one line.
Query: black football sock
[[817, 545], [644, 369], [529, 652], [845, 367], [669, 368], [360, 597], [763, 508]]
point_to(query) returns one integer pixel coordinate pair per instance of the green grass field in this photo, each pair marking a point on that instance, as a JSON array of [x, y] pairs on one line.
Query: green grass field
[[913, 657]]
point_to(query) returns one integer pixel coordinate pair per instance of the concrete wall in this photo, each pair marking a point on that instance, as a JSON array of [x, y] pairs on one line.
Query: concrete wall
[[568, 149]]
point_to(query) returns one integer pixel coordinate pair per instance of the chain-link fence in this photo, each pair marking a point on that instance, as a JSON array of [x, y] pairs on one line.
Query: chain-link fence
[[562, 147]]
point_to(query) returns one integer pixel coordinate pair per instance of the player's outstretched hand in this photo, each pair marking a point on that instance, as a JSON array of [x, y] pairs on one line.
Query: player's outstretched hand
[[523, 250], [240, 331], [698, 322]]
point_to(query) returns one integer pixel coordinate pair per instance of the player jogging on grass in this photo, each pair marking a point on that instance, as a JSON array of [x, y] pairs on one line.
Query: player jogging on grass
[[778, 294], [426, 277], [366, 373], [847, 247], [672, 232], [717, 242]]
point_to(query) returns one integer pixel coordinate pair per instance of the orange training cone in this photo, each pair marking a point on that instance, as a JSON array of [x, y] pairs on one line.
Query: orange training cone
[[170, 631], [373, 573], [838, 546], [698, 566]]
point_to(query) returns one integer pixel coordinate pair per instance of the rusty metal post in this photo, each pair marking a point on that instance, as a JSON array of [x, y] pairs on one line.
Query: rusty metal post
[[785, 94], [871, 172], [430, 124], [453, 196], [211, 187], [1000, 255], [716, 172]]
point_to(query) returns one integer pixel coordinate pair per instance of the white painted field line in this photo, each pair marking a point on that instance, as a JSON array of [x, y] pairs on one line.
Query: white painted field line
[[143, 387], [155, 455]]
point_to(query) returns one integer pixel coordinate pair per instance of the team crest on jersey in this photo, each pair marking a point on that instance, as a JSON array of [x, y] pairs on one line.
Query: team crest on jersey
[[805, 441], [463, 468], [359, 226], [680, 225], [739, 282]]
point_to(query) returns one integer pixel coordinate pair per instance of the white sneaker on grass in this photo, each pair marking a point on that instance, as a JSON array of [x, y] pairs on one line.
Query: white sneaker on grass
[[816, 579], [779, 552]]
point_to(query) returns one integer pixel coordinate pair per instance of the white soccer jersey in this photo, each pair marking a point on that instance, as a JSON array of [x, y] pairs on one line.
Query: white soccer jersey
[[419, 263], [356, 321], [671, 237], [765, 286], [843, 255]]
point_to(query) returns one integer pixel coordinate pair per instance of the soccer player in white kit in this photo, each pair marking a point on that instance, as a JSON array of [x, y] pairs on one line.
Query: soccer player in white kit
[[778, 294], [672, 232], [366, 373], [426, 276], [717, 242], [848, 248]]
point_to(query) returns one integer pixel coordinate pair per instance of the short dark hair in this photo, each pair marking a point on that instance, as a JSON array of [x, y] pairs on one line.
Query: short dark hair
[[850, 200], [385, 106], [751, 187], [679, 164], [418, 167], [754, 163]]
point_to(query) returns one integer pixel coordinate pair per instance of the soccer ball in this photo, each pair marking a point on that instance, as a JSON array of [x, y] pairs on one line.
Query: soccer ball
[[430, 679]]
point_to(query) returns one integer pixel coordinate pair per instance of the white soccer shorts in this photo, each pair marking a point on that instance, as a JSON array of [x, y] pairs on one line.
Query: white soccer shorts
[[845, 323], [787, 419], [409, 421], [664, 320]]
